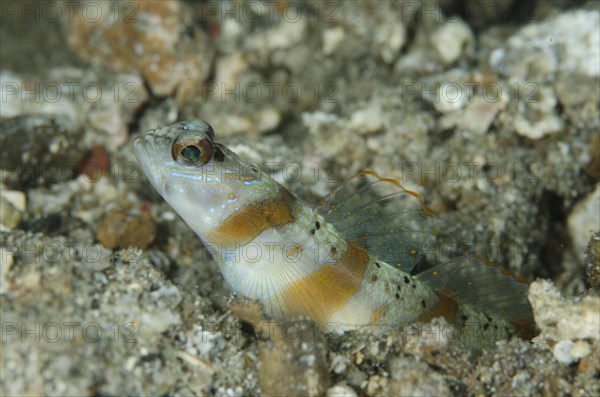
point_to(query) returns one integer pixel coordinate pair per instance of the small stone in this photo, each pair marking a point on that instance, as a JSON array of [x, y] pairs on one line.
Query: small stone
[[339, 364], [33, 164], [159, 321], [130, 254], [356, 377], [97, 256], [477, 117], [568, 352], [282, 36], [450, 97], [452, 39], [568, 43], [576, 94], [358, 358], [104, 111], [298, 360], [139, 232], [10, 216], [268, 119], [6, 262], [584, 220], [15, 197], [95, 164], [539, 118], [367, 120], [593, 168], [377, 386], [561, 319], [592, 270], [31, 281], [332, 38], [119, 230], [390, 38], [581, 349], [154, 42], [340, 390], [562, 352], [412, 377], [233, 124], [448, 91], [228, 70], [247, 310], [110, 228]]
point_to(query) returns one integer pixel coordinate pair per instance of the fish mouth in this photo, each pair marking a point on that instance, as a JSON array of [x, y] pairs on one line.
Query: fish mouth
[[150, 149], [144, 149], [151, 146]]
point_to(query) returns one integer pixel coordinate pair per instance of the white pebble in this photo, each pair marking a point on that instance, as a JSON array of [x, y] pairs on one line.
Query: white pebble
[[451, 96], [568, 352], [332, 38], [341, 390], [15, 197], [367, 120], [583, 220], [451, 39]]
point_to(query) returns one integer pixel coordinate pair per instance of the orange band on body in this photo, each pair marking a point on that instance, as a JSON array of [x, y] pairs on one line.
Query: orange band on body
[[245, 225], [322, 293]]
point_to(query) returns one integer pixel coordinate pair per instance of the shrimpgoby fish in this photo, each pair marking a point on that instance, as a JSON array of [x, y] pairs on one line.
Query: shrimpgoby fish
[[348, 263]]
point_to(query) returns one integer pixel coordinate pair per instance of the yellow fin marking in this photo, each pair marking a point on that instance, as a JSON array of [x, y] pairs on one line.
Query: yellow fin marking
[[393, 181]]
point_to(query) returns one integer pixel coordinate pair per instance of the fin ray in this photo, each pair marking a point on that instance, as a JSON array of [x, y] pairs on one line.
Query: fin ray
[[381, 216]]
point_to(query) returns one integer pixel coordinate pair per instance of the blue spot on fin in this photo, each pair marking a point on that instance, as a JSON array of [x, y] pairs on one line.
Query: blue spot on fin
[[381, 216]]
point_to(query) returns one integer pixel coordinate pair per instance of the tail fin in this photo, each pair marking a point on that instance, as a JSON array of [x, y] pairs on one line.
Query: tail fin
[[485, 288]]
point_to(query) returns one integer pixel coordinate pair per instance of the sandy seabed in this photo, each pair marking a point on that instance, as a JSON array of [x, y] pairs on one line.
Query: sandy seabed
[[490, 110]]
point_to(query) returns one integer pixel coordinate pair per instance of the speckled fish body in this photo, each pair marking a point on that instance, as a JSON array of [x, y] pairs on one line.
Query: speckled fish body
[[346, 263]]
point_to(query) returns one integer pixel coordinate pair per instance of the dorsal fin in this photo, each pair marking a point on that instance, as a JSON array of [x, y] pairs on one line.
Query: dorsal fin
[[381, 216], [484, 286]]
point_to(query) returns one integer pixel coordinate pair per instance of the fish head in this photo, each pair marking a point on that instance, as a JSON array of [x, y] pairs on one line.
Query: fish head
[[203, 181]]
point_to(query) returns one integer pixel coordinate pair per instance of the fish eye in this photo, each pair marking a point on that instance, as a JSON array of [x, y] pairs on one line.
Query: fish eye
[[191, 153], [192, 150]]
